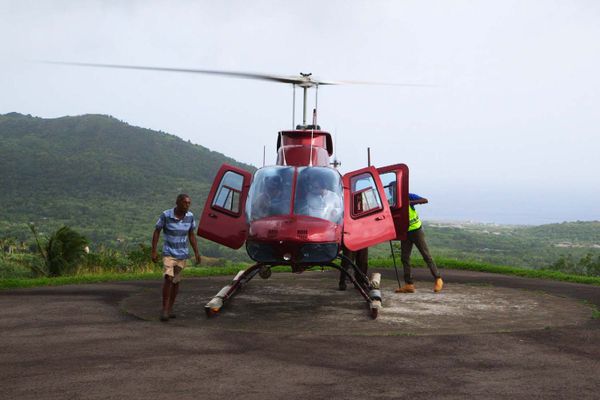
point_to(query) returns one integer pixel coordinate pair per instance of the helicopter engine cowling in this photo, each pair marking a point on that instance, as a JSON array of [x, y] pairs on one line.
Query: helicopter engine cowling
[[303, 147]]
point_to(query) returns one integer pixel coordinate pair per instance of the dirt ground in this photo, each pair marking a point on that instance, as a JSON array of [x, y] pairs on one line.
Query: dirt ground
[[296, 336]]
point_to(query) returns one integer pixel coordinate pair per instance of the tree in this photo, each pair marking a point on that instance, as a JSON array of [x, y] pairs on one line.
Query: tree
[[64, 250]]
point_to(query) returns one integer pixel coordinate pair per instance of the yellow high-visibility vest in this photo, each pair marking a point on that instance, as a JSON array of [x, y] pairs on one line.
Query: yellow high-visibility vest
[[413, 219]]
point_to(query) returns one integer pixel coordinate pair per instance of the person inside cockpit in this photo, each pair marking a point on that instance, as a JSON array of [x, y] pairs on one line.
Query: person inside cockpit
[[322, 202], [271, 201]]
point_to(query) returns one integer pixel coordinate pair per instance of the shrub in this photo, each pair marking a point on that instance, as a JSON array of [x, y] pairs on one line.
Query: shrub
[[64, 250]]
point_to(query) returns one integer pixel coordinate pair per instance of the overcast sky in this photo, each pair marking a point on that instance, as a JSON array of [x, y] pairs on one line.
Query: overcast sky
[[509, 134]]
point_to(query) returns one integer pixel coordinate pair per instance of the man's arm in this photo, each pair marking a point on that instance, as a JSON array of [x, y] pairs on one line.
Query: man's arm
[[422, 200], [416, 199], [155, 237], [194, 244]]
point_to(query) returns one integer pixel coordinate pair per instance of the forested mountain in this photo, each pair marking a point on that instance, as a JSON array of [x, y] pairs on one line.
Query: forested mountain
[[99, 175]]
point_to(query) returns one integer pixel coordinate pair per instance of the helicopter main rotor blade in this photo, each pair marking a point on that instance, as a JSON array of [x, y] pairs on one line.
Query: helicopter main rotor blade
[[233, 74], [302, 80], [374, 83]]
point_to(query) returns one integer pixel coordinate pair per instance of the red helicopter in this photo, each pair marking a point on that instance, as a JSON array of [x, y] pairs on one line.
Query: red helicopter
[[301, 212]]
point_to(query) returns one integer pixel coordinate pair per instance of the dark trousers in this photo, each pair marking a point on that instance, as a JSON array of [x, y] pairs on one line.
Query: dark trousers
[[416, 237], [360, 258]]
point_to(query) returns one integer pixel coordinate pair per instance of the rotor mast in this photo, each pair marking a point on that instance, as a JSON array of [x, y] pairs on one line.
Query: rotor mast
[[305, 83]]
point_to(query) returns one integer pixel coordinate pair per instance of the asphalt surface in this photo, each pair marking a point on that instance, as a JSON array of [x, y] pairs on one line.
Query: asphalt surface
[[105, 341]]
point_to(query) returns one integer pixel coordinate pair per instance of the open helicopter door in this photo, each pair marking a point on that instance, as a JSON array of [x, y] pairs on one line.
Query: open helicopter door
[[395, 185], [223, 219], [367, 217]]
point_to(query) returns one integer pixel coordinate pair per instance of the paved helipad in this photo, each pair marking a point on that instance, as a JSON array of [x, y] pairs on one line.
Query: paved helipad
[[297, 337], [310, 303]]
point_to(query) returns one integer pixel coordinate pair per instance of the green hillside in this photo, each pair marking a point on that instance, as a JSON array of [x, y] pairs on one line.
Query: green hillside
[[110, 180], [101, 176]]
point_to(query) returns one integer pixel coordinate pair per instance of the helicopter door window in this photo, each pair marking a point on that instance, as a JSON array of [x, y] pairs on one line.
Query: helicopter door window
[[365, 198], [228, 199], [228, 193], [388, 180]]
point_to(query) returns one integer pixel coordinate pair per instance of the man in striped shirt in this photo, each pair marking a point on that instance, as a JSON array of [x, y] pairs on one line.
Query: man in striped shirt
[[178, 226]]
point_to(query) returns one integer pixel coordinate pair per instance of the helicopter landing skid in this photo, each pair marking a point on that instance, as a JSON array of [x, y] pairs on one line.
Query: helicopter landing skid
[[369, 289], [216, 303]]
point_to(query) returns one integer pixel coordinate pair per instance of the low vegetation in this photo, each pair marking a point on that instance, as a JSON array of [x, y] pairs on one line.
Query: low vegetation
[[60, 259], [445, 263], [570, 247]]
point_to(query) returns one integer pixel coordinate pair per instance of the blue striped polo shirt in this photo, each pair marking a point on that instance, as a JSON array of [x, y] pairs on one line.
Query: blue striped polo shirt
[[175, 231]]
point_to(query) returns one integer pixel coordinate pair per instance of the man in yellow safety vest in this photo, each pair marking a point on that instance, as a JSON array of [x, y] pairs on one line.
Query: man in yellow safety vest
[[416, 237]]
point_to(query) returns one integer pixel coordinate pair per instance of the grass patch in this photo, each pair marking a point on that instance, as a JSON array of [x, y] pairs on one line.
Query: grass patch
[[232, 269], [595, 309], [496, 269], [14, 283], [114, 277]]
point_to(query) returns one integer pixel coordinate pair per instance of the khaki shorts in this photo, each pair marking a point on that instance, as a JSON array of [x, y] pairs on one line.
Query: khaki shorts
[[173, 267]]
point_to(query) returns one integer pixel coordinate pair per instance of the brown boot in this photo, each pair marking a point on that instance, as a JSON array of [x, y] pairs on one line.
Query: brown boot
[[439, 284], [407, 288]]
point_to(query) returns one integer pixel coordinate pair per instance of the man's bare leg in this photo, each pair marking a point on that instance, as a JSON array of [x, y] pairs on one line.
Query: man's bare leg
[[173, 295], [166, 297]]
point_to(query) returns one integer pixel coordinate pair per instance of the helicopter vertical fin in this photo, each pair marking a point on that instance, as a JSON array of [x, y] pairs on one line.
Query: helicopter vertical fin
[[367, 217], [223, 219], [395, 185]]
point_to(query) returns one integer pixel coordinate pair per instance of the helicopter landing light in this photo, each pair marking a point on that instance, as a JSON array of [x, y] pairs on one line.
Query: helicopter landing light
[[287, 256]]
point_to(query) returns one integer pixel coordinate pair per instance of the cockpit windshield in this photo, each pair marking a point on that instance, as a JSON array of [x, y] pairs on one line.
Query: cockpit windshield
[[270, 193], [319, 194]]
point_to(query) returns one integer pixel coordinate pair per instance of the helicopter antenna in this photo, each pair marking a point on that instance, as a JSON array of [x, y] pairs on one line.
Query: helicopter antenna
[[335, 162], [264, 154], [312, 137], [316, 104], [294, 106]]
